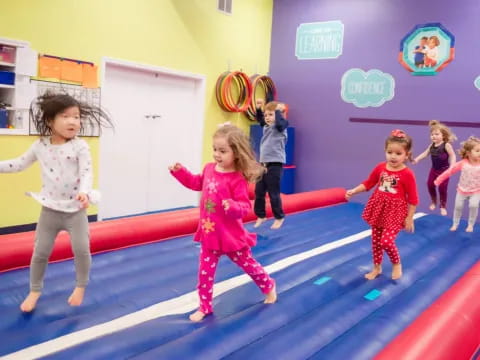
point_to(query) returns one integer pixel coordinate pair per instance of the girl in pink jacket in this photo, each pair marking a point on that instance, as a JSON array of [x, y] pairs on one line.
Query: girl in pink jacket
[[469, 184], [223, 204]]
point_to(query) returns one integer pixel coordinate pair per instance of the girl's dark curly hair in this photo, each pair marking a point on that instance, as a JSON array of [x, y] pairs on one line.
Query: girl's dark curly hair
[[45, 107]]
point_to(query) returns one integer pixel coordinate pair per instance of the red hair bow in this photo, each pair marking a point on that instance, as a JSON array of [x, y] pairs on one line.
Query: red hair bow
[[398, 133]]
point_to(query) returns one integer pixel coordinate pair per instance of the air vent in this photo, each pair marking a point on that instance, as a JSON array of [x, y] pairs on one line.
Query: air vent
[[225, 6]]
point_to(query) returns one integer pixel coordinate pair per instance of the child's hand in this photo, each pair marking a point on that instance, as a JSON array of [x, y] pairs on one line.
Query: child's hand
[[175, 167], [409, 224], [281, 107], [414, 162], [226, 204], [83, 198], [349, 194], [259, 103]]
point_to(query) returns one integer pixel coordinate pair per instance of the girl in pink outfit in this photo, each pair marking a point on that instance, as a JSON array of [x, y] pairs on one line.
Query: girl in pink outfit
[[224, 202], [469, 184]]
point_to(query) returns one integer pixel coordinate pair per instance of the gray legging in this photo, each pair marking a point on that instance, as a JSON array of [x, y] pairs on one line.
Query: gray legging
[[473, 201], [51, 222]]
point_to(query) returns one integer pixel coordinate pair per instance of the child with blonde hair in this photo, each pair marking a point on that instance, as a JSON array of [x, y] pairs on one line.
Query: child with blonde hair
[[393, 203], [443, 156], [469, 184], [223, 204], [431, 52]]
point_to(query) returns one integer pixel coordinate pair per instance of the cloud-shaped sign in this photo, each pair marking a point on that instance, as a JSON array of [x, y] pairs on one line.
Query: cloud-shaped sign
[[477, 82], [372, 88]]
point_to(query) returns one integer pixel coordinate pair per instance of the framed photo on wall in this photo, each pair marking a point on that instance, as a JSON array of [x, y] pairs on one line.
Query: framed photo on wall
[[427, 49]]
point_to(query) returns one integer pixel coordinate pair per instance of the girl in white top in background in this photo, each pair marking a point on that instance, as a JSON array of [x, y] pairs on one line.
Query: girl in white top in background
[[66, 192], [469, 184]]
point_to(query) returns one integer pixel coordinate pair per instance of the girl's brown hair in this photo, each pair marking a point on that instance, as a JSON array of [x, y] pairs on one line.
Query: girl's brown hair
[[467, 146], [447, 134], [402, 138], [271, 106], [242, 150]]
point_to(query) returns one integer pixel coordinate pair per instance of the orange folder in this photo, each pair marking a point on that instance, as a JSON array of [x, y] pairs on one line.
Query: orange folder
[[49, 67], [90, 78], [71, 71]]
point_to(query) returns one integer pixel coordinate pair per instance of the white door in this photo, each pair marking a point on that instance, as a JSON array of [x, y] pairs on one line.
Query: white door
[[158, 120]]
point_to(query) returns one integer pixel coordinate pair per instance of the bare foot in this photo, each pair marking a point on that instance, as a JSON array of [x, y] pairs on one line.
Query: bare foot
[[259, 222], [432, 207], [396, 271], [271, 297], [454, 228], [76, 298], [377, 270], [197, 316], [443, 211], [277, 224], [30, 301], [469, 228]]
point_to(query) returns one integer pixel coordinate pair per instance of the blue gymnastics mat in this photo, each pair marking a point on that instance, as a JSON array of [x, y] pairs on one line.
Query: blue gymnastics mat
[[138, 301]]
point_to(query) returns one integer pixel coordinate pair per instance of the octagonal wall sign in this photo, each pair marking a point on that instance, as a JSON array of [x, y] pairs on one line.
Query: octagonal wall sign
[[427, 49]]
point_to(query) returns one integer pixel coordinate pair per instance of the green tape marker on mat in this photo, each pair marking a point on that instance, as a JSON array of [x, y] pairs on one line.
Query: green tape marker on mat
[[372, 295], [322, 280]]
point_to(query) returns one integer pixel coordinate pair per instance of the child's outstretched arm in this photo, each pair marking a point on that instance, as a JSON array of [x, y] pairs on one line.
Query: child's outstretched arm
[[239, 205], [367, 184], [449, 172], [358, 189], [452, 158], [259, 115], [186, 178], [423, 155], [280, 122], [18, 164]]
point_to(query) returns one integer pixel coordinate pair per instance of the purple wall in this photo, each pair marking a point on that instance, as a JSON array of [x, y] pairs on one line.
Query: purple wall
[[330, 150]]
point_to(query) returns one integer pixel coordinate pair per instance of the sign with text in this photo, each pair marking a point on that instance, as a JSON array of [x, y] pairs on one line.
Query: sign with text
[[319, 40], [477, 82], [363, 89]]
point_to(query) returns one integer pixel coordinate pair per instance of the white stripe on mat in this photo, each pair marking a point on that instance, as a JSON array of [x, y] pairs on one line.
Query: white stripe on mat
[[179, 305]]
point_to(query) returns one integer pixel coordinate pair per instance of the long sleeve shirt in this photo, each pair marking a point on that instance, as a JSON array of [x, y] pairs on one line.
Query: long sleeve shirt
[[220, 229], [66, 171], [274, 138], [400, 184], [469, 182]]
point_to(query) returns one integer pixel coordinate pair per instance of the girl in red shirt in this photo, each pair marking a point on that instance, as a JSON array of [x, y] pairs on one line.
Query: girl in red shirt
[[392, 204]]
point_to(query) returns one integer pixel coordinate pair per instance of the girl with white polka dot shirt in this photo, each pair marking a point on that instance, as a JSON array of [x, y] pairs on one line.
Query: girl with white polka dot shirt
[[67, 176]]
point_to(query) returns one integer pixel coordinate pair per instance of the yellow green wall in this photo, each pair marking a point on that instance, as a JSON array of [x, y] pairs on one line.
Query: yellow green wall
[[187, 35]]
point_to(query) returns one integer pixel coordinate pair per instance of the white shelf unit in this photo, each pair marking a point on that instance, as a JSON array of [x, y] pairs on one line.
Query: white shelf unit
[[22, 61]]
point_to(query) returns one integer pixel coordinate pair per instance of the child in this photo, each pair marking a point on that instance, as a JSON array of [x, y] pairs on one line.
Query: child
[[443, 156], [431, 53], [66, 192], [469, 184], [224, 201], [272, 155], [419, 52], [393, 203]]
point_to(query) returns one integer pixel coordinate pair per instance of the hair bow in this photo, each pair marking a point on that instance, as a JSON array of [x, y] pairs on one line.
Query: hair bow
[[398, 133]]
